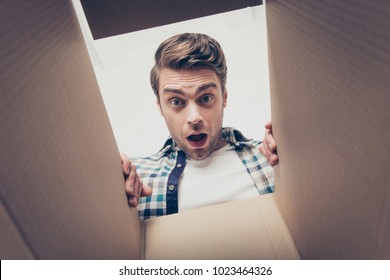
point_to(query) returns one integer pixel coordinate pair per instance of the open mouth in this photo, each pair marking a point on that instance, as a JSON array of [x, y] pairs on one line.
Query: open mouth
[[197, 140]]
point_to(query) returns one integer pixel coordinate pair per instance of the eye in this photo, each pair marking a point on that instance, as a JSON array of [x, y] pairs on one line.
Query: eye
[[176, 102], [206, 98]]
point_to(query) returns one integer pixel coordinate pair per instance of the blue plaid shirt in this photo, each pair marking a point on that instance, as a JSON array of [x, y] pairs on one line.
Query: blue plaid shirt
[[162, 171]]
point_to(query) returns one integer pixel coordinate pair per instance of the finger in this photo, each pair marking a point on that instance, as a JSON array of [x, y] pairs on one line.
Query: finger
[[133, 200], [146, 191], [274, 159], [128, 187], [143, 190], [268, 125], [130, 181], [264, 151], [261, 148], [139, 185], [270, 144], [125, 164]]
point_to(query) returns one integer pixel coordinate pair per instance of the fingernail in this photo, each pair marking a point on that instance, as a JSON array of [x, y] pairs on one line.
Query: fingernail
[[131, 188], [270, 146], [134, 201]]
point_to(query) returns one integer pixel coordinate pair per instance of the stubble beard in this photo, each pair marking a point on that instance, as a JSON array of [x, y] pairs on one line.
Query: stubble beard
[[202, 153], [215, 142]]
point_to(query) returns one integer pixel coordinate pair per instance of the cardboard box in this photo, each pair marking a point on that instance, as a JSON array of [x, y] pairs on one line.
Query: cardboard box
[[329, 78], [61, 182]]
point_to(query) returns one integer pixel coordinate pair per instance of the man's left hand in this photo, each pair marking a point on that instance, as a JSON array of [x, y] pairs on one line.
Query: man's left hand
[[268, 146]]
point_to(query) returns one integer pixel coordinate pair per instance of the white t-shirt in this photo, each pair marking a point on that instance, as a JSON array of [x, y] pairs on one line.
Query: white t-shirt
[[219, 178]]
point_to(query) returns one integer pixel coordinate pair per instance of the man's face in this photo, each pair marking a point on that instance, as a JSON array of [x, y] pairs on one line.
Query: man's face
[[192, 103]]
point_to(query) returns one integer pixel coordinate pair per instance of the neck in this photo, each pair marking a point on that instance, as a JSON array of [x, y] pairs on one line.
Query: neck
[[220, 144]]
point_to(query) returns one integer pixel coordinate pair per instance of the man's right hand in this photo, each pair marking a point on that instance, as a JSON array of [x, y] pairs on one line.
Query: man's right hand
[[133, 184]]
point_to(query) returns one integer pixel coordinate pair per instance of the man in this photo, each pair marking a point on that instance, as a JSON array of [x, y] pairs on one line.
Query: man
[[201, 163]]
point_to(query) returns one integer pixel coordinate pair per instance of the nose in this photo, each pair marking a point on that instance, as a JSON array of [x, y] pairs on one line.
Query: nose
[[194, 115]]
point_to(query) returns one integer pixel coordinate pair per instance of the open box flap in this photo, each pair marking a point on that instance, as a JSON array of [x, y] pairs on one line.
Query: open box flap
[[245, 229], [330, 95]]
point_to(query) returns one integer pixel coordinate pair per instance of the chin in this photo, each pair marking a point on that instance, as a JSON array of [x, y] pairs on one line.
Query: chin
[[198, 155]]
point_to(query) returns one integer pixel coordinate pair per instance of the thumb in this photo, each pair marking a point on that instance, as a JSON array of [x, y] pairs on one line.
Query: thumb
[[268, 125], [146, 191]]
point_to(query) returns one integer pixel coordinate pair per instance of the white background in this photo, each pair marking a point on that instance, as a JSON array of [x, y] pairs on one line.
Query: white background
[[122, 65]]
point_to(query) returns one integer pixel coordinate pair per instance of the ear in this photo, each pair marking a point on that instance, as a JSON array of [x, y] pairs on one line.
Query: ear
[[225, 94], [159, 106]]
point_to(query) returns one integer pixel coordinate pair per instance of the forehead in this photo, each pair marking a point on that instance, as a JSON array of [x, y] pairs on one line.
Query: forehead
[[186, 79]]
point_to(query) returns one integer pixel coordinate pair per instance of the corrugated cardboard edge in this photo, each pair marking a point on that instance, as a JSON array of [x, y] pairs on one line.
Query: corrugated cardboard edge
[[281, 239], [143, 240], [383, 249], [245, 229]]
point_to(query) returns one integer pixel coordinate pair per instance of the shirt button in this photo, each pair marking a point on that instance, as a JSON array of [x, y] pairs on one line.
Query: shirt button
[[171, 187], [179, 165]]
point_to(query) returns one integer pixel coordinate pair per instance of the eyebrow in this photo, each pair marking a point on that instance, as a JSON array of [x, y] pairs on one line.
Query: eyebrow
[[198, 90]]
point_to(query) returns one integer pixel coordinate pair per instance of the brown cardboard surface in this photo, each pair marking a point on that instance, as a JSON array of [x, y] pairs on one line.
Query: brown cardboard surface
[[246, 229], [62, 194], [61, 183], [329, 73], [61, 179]]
